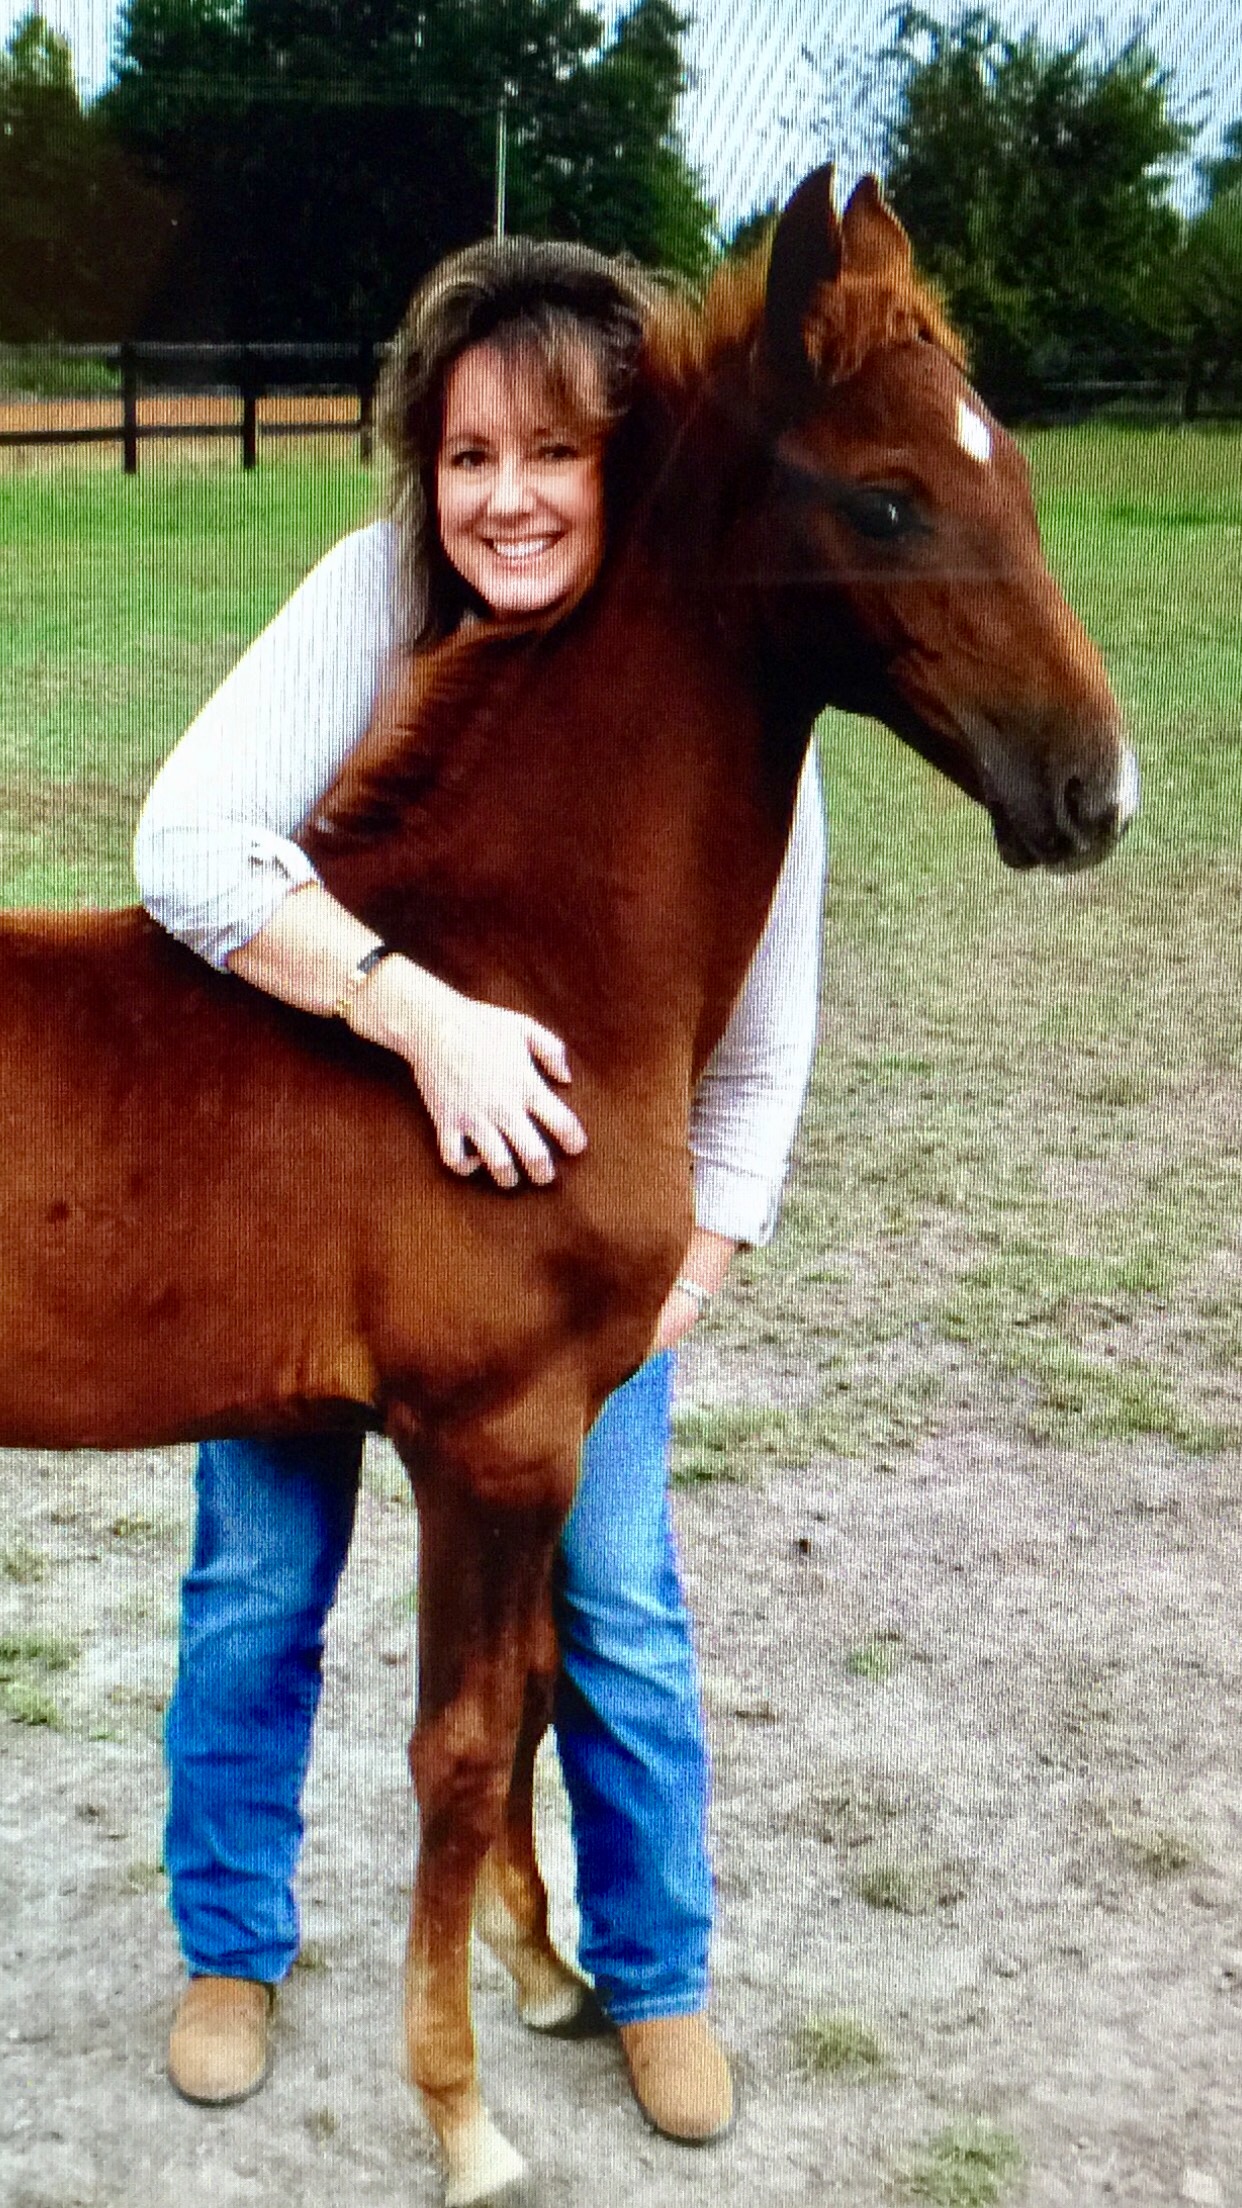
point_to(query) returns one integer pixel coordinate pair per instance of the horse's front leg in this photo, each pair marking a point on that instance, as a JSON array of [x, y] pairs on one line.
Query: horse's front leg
[[492, 1501]]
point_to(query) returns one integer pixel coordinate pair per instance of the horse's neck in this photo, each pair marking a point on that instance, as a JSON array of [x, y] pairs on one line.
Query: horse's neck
[[589, 821]]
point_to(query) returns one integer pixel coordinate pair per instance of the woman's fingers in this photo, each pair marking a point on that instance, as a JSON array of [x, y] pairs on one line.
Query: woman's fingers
[[548, 1051], [495, 1153], [532, 1151], [556, 1118], [505, 1152], [455, 1151], [482, 1072]]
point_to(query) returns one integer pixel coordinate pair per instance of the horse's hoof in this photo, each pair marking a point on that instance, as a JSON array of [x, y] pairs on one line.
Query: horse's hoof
[[579, 2018], [520, 2192], [489, 2173]]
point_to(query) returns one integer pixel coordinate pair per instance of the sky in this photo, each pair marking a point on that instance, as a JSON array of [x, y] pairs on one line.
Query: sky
[[753, 120]]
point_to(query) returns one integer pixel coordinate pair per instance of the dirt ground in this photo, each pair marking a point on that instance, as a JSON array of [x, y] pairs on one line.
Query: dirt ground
[[975, 1717], [175, 410]]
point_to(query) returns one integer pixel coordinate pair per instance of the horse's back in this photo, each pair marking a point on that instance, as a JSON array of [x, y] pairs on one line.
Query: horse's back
[[220, 1215], [181, 1219]]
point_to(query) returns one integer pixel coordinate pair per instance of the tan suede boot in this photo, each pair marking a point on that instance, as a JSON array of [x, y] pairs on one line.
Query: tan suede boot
[[680, 2075], [217, 2049]]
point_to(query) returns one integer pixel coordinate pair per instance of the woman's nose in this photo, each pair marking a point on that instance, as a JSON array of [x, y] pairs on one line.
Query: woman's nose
[[511, 488]]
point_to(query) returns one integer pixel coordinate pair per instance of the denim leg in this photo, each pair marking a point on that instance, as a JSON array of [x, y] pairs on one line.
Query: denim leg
[[273, 1528], [629, 1721]]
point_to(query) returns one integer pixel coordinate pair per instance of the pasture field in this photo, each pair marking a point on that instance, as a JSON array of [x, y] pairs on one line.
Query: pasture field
[[959, 1471]]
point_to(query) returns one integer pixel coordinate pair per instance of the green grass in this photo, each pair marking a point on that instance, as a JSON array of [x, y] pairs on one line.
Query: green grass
[[877, 1659], [38, 371], [19, 1562], [42, 1651], [910, 1889], [125, 602], [24, 1703], [26, 1659], [1021, 1165], [840, 2047], [967, 2165]]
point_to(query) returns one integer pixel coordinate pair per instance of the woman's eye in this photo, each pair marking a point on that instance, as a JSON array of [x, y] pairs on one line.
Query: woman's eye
[[558, 448], [470, 456]]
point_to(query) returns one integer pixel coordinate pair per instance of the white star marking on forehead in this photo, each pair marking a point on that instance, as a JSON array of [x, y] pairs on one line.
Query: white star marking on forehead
[[973, 434]]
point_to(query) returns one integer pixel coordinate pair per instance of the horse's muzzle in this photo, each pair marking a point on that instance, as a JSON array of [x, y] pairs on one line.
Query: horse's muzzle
[[1068, 828]]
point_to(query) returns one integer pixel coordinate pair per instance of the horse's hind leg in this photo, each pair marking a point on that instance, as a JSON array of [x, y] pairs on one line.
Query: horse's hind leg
[[511, 1903], [489, 1519]]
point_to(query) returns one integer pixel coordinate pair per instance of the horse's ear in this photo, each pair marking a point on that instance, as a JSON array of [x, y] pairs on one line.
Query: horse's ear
[[806, 253], [873, 242]]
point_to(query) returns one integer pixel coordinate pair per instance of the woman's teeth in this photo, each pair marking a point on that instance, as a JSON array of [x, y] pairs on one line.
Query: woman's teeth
[[518, 549]]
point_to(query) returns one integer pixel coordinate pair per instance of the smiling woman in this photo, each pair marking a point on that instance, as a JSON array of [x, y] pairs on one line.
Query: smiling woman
[[502, 406], [519, 478]]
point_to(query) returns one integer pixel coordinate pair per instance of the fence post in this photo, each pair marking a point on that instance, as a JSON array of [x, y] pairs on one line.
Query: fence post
[[366, 400], [129, 409], [248, 378]]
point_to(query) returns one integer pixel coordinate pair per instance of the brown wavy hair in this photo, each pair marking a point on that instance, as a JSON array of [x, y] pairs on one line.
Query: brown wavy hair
[[518, 293]]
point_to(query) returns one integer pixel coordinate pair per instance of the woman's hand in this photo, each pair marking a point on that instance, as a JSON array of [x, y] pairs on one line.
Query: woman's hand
[[706, 1262], [479, 1070]]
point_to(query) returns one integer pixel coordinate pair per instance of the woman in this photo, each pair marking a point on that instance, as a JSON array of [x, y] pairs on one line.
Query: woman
[[502, 409]]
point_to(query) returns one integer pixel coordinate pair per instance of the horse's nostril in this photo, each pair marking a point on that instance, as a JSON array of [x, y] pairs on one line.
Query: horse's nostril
[[1092, 813]]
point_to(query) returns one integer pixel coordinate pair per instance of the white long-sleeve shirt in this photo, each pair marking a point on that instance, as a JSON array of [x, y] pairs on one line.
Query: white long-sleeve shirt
[[214, 857]]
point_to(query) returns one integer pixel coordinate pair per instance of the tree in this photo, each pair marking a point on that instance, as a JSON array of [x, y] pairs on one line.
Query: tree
[[75, 224], [1034, 182], [1211, 290], [609, 167], [1221, 175], [326, 153]]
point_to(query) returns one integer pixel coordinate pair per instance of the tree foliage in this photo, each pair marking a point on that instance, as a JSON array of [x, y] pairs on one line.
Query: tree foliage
[[78, 230], [1034, 182], [1225, 171], [1210, 270], [324, 153]]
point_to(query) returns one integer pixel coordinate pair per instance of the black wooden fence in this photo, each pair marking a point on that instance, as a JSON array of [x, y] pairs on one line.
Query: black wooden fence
[[251, 372]]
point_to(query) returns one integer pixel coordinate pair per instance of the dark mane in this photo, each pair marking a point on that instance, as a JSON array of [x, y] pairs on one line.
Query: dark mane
[[849, 320]]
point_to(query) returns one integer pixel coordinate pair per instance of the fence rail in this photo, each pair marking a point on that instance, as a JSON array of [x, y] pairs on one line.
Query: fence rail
[[257, 371], [250, 371]]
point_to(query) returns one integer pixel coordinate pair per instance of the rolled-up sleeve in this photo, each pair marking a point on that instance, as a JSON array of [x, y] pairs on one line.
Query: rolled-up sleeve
[[213, 853], [746, 1106]]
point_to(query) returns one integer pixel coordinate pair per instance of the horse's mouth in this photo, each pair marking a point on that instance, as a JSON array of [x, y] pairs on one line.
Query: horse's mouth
[[1067, 827], [1061, 818], [1054, 853]]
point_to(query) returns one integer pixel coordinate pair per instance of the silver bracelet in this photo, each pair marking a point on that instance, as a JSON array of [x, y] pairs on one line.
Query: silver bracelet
[[696, 1292]]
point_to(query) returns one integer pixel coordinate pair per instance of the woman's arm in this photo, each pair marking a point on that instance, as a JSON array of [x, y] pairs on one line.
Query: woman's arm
[[217, 865], [745, 1110], [746, 1107], [475, 1065]]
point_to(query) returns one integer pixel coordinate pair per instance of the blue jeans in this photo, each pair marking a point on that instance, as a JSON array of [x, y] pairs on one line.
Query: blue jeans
[[273, 1529]]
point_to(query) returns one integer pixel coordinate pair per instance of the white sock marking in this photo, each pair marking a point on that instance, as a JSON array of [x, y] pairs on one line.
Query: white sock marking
[[483, 2163]]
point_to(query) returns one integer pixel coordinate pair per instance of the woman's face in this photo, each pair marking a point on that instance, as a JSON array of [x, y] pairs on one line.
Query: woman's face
[[519, 481]]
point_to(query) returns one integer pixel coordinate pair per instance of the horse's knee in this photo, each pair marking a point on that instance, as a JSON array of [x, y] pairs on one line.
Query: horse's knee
[[461, 1791]]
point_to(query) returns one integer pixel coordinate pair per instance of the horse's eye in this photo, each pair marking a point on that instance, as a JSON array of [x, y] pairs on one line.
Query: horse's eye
[[880, 514]]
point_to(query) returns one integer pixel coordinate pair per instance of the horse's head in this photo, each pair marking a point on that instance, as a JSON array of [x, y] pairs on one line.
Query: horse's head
[[896, 521]]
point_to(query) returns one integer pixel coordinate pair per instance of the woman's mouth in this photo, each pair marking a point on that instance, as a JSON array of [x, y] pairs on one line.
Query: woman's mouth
[[517, 551]]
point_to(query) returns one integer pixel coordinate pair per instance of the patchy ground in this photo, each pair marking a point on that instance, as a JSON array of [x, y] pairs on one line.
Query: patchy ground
[[978, 1837]]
